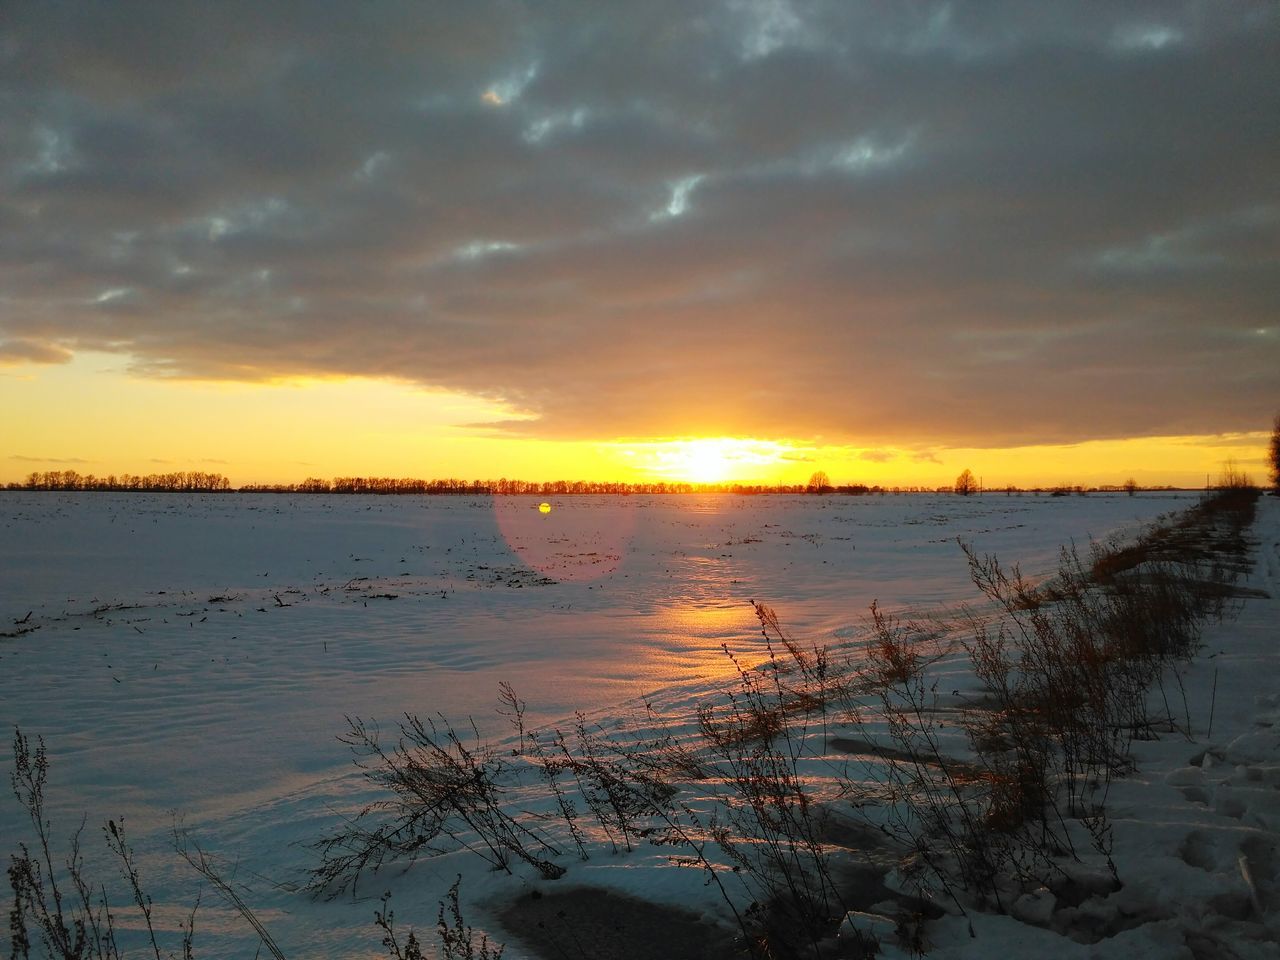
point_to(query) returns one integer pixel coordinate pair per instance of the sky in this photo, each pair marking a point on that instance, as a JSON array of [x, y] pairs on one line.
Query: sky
[[725, 240]]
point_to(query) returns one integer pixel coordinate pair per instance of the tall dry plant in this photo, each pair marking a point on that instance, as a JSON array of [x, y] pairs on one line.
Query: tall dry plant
[[1273, 456]]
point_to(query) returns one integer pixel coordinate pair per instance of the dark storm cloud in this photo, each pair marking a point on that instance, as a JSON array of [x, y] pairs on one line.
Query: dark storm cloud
[[930, 223]]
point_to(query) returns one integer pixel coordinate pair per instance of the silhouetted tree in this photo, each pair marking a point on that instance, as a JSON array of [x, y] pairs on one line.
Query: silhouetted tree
[[1232, 477], [966, 483], [1274, 456], [820, 482], [1131, 486]]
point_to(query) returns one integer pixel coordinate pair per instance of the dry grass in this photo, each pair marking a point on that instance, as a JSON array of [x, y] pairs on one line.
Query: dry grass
[[1068, 670]]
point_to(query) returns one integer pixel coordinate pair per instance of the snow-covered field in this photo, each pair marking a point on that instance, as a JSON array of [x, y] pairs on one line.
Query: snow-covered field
[[197, 655]]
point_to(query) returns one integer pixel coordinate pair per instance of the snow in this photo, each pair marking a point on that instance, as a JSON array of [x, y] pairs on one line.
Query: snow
[[198, 655]]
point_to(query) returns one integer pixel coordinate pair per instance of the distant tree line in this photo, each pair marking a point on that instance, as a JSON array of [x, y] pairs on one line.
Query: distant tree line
[[185, 481], [504, 487], [200, 482]]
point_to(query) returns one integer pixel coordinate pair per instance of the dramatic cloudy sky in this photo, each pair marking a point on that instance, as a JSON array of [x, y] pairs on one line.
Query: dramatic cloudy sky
[[918, 224]]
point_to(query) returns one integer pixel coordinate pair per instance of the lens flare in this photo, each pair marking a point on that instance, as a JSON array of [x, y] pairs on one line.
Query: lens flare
[[576, 541]]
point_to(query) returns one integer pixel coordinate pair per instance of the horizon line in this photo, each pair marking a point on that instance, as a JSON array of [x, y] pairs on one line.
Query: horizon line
[[71, 481]]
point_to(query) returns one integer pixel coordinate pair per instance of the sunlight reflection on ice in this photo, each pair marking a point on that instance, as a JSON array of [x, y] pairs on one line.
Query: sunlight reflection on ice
[[695, 637]]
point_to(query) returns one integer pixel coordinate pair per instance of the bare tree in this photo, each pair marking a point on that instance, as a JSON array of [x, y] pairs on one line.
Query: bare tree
[[820, 482], [966, 483], [1274, 456]]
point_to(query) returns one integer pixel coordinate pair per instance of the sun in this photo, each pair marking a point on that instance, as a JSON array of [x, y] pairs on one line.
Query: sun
[[709, 459], [706, 462]]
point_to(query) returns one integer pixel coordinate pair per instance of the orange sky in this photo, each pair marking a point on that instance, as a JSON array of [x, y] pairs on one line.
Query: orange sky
[[92, 416]]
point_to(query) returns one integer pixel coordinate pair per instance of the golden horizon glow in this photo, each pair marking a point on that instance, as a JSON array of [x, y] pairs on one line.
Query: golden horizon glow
[[709, 459], [92, 416]]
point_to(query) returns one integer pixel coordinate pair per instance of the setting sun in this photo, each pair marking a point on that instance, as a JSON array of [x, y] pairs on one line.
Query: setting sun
[[706, 462], [711, 459]]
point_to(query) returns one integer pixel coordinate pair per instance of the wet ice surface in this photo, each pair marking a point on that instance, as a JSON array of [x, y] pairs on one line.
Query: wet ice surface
[[198, 654]]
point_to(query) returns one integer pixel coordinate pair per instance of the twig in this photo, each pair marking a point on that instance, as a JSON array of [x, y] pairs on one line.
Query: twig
[[1213, 700], [191, 852]]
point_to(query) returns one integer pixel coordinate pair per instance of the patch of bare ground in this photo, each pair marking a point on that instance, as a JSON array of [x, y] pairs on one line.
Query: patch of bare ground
[[592, 923]]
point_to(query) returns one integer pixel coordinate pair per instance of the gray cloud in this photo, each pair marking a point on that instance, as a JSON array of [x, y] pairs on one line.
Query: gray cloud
[[862, 222], [880, 456], [32, 351], [25, 459]]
